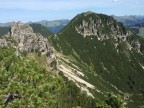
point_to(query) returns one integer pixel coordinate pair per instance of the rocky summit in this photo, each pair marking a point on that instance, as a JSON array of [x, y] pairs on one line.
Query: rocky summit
[[94, 26], [23, 38], [104, 29]]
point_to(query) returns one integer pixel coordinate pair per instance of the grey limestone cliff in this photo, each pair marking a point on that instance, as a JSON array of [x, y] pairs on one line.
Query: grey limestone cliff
[[3, 42], [105, 29], [25, 40]]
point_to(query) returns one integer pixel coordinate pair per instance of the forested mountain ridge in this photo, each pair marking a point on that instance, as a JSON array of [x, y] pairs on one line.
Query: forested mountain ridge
[[94, 62], [28, 75], [109, 56]]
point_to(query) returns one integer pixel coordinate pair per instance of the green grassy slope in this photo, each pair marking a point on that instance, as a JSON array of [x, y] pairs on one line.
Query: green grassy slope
[[106, 69], [38, 28]]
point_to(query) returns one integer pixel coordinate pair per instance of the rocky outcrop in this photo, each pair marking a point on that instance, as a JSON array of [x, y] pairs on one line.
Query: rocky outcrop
[[136, 45], [88, 28], [28, 41], [3, 42], [102, 30], [105, 27]]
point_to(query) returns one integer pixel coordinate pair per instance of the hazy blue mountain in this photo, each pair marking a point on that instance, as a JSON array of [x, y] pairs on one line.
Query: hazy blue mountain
[[5, 24], [133, 22], [130, 20], [54, 26]]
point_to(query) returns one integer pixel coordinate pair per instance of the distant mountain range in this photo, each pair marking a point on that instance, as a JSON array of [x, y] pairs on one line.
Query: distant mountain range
[[54, 26], [5, 24], [38, 28], [129, 20], [138, 29], [133, 22], [44, 27]]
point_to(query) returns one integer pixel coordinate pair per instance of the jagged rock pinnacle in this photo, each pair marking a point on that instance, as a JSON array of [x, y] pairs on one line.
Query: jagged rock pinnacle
[[23, 38]]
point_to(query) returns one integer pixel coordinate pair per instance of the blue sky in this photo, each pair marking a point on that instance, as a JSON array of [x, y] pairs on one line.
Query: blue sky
[[35, 10]]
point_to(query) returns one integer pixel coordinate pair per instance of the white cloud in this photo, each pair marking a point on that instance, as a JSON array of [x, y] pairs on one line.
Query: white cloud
[[115, 0]]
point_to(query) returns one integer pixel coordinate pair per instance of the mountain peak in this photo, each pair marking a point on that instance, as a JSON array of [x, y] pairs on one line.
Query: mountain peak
[[20, 28], [88, 13], [107, 55], [22, 38], [100, 25]]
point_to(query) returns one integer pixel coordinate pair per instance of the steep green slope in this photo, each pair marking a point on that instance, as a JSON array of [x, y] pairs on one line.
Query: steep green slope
[[38, 28], [108, 68]]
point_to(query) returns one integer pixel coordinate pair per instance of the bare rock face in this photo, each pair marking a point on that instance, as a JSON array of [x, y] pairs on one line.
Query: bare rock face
[[23, 35], [88, 28], [95, 27], [104, 29], [3, 42], [136, 45], [28, 41]]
